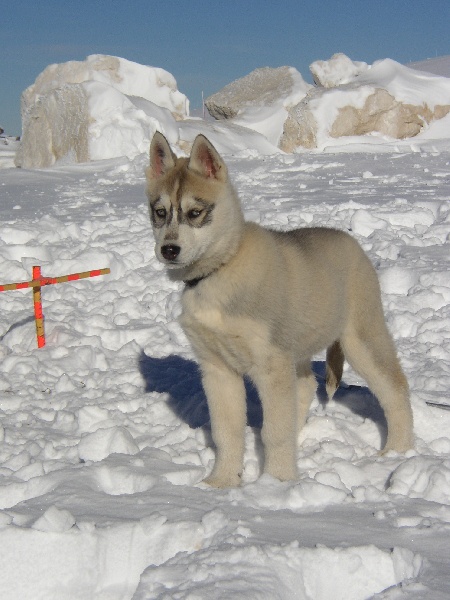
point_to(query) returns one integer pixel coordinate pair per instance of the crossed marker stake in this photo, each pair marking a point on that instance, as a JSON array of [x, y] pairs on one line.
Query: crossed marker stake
[[36, 283]]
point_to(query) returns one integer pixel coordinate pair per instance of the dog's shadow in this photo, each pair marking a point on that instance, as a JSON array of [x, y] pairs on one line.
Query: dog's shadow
[[181, 380]]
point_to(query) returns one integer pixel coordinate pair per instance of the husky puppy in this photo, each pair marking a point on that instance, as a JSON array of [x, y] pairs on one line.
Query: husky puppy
[[261, 303]]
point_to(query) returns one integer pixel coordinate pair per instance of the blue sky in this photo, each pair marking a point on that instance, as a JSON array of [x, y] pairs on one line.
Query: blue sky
[[207, 44]]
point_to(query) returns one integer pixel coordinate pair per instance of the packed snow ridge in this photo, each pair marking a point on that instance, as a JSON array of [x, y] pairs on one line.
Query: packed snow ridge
[[106, 107]]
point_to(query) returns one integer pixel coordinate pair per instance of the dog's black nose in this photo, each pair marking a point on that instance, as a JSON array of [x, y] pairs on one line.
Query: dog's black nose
[[170, 251]]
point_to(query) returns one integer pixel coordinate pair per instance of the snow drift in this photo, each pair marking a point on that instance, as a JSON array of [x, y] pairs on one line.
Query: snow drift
[[351, 99], [106, 107], [99, 108], [260, 100], [339, 69], [354, 99]]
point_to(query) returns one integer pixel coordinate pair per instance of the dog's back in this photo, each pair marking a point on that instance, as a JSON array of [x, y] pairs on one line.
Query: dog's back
[[302, 285]]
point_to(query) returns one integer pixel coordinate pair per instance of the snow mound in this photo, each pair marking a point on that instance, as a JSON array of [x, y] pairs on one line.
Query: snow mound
[[336, 71], [260, 100], [107, 107], [398, 280], [129, 78], [386, 99], [407, 85], [103, 442], [99, 108], [287, 573], [54, 520]]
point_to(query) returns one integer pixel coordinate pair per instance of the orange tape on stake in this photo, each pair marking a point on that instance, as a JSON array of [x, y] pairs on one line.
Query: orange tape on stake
[[41, 281], [36, 283], [38, 314]]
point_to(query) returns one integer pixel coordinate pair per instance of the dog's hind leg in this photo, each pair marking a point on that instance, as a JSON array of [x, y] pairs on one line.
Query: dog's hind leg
[[334, 368], [370, 350], [225, 392], [306, 388]]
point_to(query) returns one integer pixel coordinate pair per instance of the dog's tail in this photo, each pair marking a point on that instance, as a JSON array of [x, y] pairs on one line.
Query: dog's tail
[[335, 367]]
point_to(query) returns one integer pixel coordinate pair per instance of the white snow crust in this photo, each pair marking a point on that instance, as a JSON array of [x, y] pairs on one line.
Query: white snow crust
[[407, 85]]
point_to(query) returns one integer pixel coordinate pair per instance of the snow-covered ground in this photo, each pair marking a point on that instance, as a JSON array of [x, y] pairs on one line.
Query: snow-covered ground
[[104, 436]]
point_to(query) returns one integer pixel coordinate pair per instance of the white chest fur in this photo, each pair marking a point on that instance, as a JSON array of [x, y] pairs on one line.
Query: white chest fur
[[216, 333]]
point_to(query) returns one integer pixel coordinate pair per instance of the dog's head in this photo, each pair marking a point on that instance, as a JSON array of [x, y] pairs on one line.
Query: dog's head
[[195, 213]]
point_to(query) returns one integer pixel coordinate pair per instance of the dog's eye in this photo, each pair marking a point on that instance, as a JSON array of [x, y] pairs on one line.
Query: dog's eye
[[161, 213], [194, 213]]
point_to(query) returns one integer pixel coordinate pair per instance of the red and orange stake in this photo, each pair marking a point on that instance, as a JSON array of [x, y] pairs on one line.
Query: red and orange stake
[[38, 314], [36, 283]]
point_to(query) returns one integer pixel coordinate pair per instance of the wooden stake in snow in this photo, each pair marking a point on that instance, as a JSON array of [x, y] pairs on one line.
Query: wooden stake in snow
[[37, 282], [38, 314]]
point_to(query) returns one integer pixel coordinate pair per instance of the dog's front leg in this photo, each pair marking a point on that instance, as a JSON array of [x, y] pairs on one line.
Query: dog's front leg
[[275, 379], [225, 392]]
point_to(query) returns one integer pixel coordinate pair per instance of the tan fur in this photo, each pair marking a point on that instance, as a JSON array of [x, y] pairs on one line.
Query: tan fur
[[268, 302], [335, 366]]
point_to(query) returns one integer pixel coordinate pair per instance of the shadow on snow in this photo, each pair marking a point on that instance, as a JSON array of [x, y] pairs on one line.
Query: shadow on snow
[[181, 380]]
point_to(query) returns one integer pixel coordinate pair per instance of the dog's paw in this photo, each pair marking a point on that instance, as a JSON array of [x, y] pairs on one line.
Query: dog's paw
[[223, 481], [283, 474], [284, 471], [401, 446]]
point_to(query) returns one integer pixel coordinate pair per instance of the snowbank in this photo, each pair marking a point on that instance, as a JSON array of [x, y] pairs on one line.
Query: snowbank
[[289, 573], [107, 107], [338, 70], [129, 78], [100, 108], [260, 100], [385, 99]]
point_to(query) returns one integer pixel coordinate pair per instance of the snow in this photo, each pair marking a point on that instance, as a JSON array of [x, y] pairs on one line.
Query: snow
[[96, 109], [107, 107], [411, 84], [407, 85], [104, 437], [267, 115], [104, 441], [131, 79], [338, 70]]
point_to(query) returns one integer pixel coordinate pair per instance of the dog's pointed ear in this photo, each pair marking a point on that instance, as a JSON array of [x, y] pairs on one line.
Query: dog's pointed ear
[[206, 161], [161, 156]]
